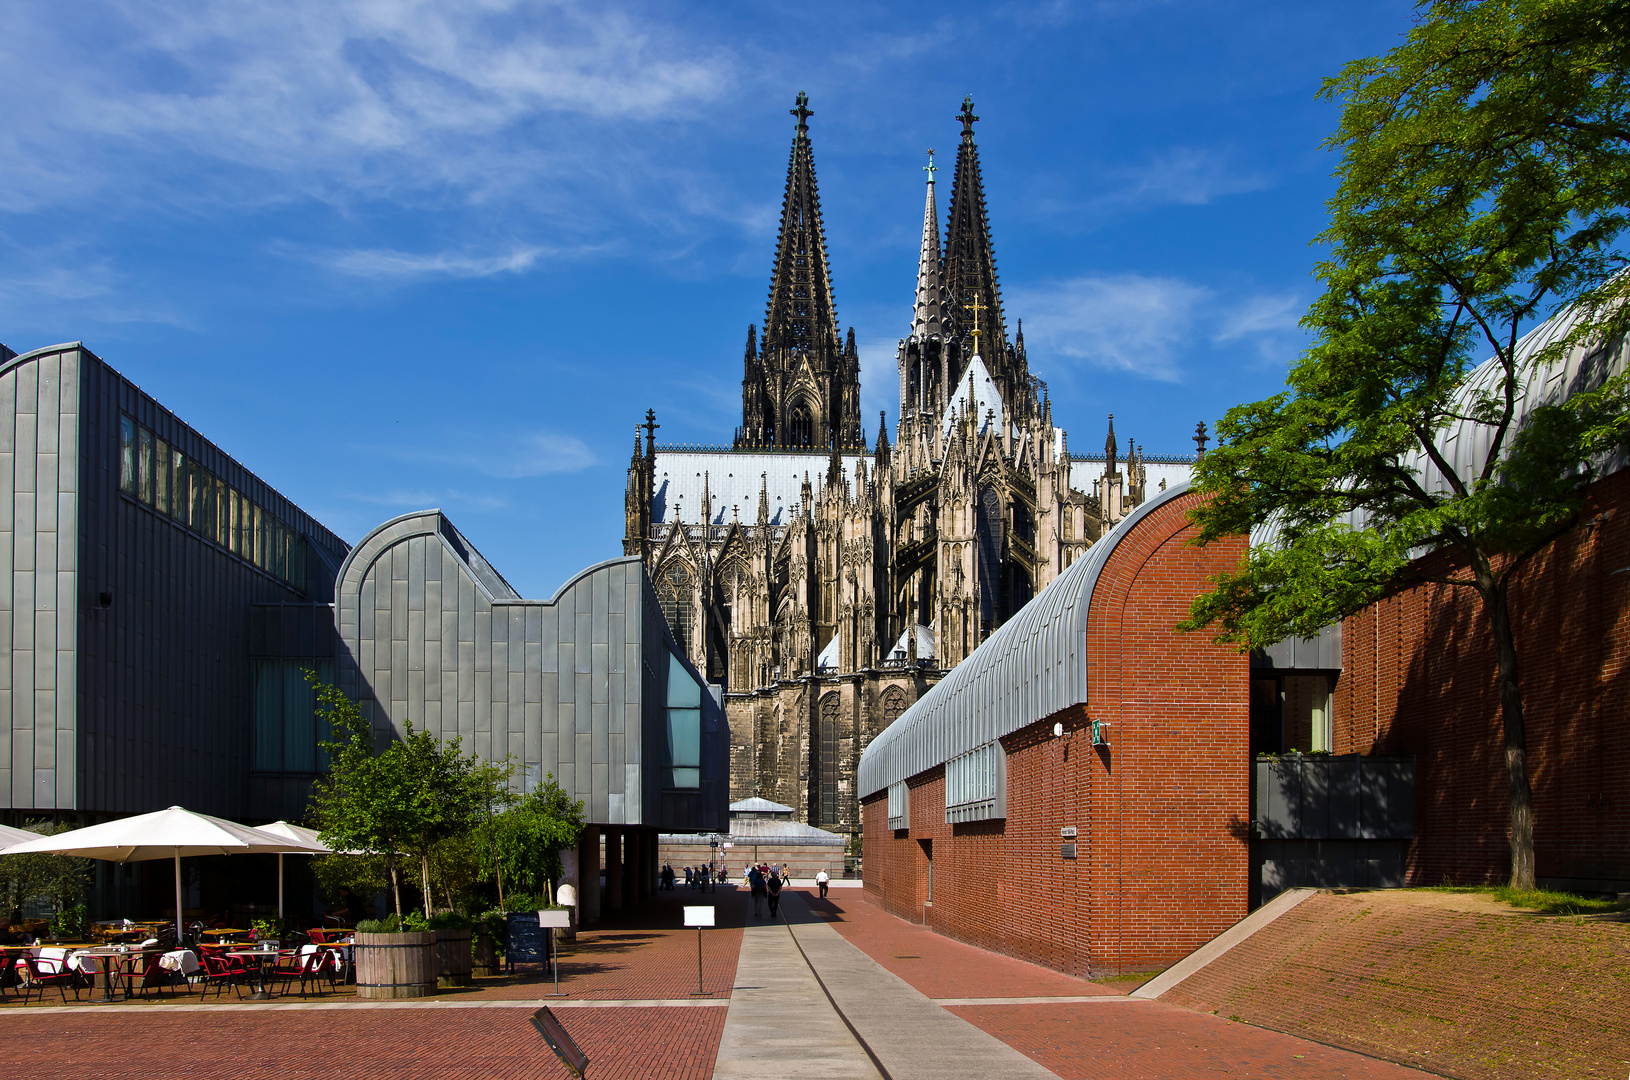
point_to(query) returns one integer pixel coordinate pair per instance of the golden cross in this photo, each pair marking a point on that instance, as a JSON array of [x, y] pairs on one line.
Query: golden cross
[[976, 307]]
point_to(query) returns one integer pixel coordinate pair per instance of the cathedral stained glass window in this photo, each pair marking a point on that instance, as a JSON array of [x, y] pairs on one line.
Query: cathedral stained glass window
[[673, 588]]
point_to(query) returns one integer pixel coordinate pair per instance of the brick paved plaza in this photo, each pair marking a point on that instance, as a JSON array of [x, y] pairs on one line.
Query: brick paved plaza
[[633, 1009]]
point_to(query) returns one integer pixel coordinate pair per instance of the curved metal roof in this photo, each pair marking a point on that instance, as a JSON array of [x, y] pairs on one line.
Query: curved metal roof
[[1033, 666], [1466, 442]]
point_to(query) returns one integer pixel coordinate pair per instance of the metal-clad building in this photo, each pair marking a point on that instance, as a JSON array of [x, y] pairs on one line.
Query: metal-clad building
[[133, 549], [588, 686]]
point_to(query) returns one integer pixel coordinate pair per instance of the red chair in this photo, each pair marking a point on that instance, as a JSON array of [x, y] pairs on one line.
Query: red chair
[[221, 971], [36, 973], [145, 967], [306, 966]]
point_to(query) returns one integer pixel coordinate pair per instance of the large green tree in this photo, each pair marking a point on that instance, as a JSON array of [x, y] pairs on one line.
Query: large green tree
[[1484, 175]]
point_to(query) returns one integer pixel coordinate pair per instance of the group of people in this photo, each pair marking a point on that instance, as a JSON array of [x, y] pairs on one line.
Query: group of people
[[696, 877]]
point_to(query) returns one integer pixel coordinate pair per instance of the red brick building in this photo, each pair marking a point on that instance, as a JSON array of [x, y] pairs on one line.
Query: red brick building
[[1418, 679], [1121, 841]]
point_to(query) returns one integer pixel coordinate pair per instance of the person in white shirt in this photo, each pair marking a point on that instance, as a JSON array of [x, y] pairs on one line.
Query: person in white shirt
[[821, 879]]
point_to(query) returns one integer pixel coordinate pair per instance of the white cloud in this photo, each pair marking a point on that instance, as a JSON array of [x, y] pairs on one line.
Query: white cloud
[[1125, 322], [1144, 325], [1180, 176], [340, 100], [384, 263]]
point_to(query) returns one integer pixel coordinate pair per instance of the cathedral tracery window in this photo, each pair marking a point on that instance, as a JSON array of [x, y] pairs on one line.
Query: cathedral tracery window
[[673, 589], [894, 703], [801, 427], [830, 709]]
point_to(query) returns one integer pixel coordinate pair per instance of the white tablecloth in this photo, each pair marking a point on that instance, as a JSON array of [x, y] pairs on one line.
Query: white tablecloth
[[181, 960]]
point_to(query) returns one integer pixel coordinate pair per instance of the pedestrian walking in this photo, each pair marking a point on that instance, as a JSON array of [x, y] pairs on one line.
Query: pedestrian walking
[[755, 885], [774, 890], [820, 880]]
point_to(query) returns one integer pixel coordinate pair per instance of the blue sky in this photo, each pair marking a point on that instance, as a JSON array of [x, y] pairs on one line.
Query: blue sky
[[406, 253]]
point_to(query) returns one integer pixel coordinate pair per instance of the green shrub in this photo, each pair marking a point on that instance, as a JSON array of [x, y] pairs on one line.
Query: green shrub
[[71, 923], [413, 922], [449, 920]]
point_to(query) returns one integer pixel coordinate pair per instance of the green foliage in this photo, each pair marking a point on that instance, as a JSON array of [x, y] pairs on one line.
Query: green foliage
[[71, 923], [1549, 901], [404, 800], [267, 928], [413, 922], [449, 920], [363, 874], [524, 901], [1484, 176], [525, 841], [60, 880]]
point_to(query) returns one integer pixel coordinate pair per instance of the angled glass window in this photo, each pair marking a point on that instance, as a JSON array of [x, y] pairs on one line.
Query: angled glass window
[[127, 455], [684, 728]]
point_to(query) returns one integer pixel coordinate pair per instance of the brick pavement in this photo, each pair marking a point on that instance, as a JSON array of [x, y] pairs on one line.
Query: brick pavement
[[1479, 994], [359, 1044], [1109, 1038], [939, 966]]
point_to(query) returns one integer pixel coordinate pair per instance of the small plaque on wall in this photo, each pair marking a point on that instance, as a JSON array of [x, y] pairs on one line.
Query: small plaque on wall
[[1067, 832], [1067, 850]]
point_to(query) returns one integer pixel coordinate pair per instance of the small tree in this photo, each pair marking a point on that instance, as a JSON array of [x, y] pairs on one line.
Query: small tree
[[60, 879], [404, 800], [524, 842], [1484, 176]]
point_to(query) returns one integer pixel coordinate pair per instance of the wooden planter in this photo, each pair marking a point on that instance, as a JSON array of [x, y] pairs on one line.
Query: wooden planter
[[396, 965], [453, 958], [486, 957]]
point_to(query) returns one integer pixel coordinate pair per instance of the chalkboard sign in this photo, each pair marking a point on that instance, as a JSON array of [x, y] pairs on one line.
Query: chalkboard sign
[[528, 942]]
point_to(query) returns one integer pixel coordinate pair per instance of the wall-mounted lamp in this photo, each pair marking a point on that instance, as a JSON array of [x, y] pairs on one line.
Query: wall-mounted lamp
[[105, 599], [1058, 729], [1100, 732]]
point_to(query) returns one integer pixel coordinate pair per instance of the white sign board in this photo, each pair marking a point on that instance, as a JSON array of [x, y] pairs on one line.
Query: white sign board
[[727, 844], [561, 917], [698, 916]]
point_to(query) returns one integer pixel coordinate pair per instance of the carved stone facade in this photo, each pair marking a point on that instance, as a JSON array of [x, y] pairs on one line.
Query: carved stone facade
[[828, 586]]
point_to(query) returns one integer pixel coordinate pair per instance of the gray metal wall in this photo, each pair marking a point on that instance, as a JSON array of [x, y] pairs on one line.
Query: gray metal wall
[[1329, 822], [430, 634], [143, 701]]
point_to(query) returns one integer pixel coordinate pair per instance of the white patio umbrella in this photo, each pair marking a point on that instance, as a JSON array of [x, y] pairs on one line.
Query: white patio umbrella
[[164, 834], [10, 836], [298, 834]]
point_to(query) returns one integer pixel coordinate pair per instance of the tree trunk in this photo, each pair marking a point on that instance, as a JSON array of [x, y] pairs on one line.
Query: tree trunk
[[498, 869], [396, 886], [1518, 792], [424, 876]]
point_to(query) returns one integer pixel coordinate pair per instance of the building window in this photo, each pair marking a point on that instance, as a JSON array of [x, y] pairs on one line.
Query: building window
[[899, 806], [976, 784], [287, 730], [684, 727], [156, 474], [673, 587], [830, 710], [1306, 713]]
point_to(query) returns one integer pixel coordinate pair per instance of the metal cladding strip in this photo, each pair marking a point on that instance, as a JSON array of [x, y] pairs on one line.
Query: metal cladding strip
[[1033, 666]]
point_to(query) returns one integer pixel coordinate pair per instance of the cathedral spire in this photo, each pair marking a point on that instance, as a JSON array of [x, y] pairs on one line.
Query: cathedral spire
[[801, 329], [925, 321], [801, 315]]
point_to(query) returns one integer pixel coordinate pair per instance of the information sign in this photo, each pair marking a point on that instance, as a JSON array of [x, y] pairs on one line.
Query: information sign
[[526, 941], [560, 917], [699, 916], [561, 1043]]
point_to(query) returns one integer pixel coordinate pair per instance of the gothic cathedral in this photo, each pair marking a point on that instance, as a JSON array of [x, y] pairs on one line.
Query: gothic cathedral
[[826, 582]]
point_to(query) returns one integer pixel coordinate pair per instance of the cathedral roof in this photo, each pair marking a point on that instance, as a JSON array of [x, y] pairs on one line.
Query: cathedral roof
[[925, 644], [1031, 667], [986, 398], [734, 479]]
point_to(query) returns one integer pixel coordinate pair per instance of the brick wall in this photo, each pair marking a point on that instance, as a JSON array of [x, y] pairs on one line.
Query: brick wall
[[1160, 813], [1419, 678]]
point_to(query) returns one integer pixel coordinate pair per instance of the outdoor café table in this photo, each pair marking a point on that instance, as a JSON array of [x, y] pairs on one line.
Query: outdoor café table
[[107, 959], [264, 959]]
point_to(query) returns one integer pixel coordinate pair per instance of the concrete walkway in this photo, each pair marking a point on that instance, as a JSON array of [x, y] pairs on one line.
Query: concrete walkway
[[780, 1021], [808, 1003]]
